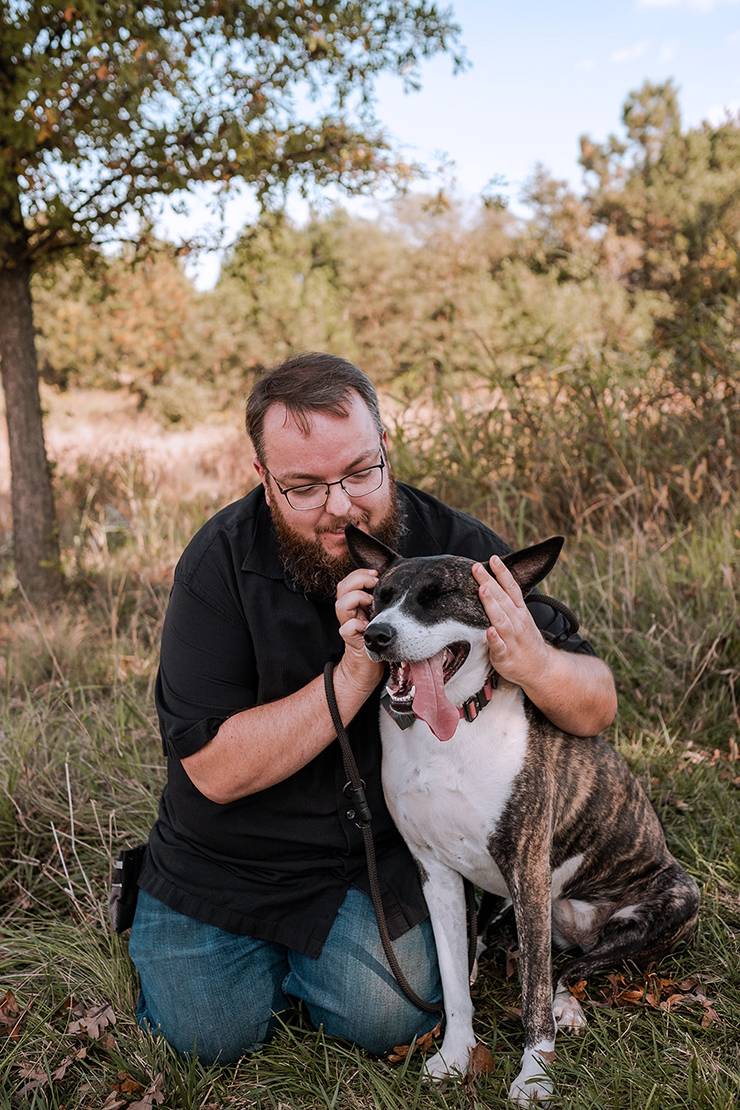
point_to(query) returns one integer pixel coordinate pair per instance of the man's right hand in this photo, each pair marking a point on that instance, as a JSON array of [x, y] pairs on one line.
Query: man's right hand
[[353, 601]]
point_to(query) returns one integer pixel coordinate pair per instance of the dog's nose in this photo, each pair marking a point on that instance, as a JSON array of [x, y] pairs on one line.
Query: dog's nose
[[379, 637]]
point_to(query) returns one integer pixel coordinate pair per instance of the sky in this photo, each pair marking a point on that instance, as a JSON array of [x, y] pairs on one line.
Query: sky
[[541, 74]]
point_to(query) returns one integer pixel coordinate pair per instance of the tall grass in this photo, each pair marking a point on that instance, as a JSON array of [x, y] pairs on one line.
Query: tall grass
[[81, 771]]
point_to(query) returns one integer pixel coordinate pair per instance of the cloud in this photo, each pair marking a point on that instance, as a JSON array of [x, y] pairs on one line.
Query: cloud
[[629, 53], [586, 64], [703, 6]]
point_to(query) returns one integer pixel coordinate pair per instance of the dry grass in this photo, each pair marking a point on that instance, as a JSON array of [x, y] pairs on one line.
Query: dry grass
[[81, 771]]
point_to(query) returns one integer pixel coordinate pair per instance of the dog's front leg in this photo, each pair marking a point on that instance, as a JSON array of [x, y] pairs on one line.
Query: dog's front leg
[[530, 894], [445, 897]]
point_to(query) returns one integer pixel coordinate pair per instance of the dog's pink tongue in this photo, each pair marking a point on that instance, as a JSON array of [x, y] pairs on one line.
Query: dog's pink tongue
[[430, 701]]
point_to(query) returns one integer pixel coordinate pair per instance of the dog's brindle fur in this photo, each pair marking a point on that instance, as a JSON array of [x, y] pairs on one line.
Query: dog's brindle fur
[[574, 842]]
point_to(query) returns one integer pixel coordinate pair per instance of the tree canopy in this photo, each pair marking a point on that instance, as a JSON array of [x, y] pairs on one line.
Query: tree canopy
[[106, 108]]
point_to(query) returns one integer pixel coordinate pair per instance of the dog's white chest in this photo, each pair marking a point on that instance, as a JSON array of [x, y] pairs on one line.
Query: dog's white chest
[[447, 797]]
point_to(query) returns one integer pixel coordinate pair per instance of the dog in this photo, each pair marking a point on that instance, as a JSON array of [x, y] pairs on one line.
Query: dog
[[483, 787]]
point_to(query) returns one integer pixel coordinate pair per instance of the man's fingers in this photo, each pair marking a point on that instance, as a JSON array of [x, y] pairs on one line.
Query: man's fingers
[[499, 607], [357, 580], [352, 630], [500, 585], [351, 602], [506, 580]]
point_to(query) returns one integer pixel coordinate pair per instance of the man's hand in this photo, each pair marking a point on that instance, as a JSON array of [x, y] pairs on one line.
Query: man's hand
[[353, 601], [575, 691], [515, 646]]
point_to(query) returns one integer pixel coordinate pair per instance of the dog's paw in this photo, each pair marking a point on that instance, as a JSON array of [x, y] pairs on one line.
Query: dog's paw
[[525, 1092], [532, 1083], [449, 1061], [568, 1013]]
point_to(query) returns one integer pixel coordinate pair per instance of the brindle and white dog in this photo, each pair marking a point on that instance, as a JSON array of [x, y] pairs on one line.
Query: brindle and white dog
[[553, 822]]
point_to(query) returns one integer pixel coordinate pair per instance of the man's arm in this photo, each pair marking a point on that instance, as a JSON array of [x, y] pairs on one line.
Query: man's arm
[[576, 692], [258, 747]]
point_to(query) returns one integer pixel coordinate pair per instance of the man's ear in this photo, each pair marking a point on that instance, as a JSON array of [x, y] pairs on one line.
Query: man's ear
[[368, 552], [262, 474], [530, 565]]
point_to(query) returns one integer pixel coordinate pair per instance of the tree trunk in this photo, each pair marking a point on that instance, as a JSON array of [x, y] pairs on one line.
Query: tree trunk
[[35, 539]]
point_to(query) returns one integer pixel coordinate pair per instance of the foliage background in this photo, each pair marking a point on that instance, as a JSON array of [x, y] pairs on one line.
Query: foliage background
[[576, 371]]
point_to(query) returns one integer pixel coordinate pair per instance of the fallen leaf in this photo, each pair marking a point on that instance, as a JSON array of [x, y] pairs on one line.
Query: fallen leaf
[[423, 1044], [153, 1095], [35, 1077], [578, 990], [512, 959], [113, 1102], [128, 1085], [10, 1016], [61, 1071], [660, 993], [673, 1001], [93, 1021], [480, 1062], [630, 997]]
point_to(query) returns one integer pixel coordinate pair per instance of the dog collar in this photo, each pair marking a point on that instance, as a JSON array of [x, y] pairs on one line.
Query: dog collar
[[468, 711]]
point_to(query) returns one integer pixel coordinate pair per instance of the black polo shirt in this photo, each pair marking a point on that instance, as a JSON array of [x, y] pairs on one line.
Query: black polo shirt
[[277, 864]]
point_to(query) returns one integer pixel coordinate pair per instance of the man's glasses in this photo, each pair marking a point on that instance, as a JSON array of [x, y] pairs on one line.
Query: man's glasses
[[315, 496]]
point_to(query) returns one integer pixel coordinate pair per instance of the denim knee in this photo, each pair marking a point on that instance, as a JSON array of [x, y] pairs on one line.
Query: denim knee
[[207, 992], [212, 1044], [350, 989]]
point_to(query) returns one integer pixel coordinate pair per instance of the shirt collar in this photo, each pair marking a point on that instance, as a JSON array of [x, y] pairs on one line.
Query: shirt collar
[[262, 554]]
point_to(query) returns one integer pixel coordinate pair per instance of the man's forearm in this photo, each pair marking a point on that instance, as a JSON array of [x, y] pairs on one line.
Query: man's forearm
[[258, 747], [576, 692]]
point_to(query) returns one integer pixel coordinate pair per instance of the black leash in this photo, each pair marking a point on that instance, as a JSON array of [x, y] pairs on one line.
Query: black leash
[[364, 823]]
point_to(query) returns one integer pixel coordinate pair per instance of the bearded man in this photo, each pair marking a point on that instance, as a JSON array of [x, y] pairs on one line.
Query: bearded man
[[254, 891]]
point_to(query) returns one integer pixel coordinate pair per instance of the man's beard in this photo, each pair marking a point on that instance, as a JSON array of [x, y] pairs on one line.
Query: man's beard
[[311, 567]]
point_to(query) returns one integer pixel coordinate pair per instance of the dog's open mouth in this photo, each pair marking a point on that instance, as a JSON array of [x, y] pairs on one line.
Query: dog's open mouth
[[407, 679]]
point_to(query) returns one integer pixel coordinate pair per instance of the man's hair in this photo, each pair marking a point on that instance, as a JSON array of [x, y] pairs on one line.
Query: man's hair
[[308, 383]]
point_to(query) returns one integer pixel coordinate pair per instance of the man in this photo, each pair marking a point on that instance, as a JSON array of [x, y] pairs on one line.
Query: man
[[254, 888]]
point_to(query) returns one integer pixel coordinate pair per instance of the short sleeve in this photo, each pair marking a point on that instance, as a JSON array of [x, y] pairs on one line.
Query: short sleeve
[[207, 671]]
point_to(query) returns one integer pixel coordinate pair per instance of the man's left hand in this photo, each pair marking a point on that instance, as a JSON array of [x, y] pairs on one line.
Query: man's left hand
[[516, 648]]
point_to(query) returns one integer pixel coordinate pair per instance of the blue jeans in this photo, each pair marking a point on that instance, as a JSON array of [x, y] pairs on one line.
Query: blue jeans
[[216, 994]]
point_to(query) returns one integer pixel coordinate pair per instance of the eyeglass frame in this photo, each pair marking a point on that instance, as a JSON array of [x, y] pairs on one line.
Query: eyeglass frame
[[339, 482]]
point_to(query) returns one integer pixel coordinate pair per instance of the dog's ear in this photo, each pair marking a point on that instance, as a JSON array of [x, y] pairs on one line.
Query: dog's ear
[[530, 565], [366, 551]]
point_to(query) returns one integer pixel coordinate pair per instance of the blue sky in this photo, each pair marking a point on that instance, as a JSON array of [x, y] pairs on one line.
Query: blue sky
[[541, 74]]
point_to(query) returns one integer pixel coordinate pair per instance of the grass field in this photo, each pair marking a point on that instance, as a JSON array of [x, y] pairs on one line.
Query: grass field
[[81, 771]]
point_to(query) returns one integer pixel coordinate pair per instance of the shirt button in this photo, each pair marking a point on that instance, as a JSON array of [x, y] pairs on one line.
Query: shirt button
[[350, 815]]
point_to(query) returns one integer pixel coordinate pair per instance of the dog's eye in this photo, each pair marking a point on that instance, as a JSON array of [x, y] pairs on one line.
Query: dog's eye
[[431, 593], [383, 595]]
